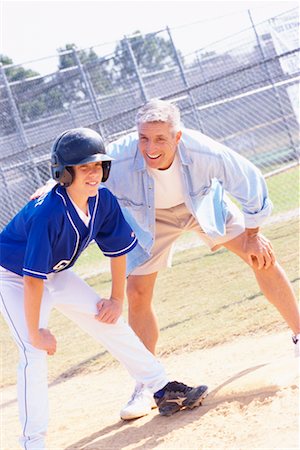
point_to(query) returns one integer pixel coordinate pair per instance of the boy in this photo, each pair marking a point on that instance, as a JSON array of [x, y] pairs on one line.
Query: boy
[[38, 247]]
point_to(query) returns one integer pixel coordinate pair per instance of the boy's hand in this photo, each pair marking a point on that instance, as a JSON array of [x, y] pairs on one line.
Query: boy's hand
[[109, 310], [44, 340]]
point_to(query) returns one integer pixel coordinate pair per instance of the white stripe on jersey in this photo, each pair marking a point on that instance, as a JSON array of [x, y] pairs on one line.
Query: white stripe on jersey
[[37, 273], [75, 229], [123, 249], [92, 222]]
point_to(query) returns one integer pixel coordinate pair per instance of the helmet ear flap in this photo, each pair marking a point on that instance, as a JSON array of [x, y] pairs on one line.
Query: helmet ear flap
[[54, 160], [67, 177], [106, 169]]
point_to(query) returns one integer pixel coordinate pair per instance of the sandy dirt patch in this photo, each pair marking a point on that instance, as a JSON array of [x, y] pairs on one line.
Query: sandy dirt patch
[[253, 404]]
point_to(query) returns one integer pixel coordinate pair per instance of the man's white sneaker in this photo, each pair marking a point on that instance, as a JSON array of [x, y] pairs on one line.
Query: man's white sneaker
[[140, 404], [296, 340]]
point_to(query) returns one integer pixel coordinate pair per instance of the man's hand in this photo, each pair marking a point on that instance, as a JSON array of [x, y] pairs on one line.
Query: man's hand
[[109, 310], [40, 191], [259, 250], [43, 189], [44, 340]]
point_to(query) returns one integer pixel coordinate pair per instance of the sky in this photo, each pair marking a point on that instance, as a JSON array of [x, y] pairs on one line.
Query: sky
[[30, 30]]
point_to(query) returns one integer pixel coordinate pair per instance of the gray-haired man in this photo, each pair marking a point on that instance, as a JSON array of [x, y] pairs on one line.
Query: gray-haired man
[[168, 180]]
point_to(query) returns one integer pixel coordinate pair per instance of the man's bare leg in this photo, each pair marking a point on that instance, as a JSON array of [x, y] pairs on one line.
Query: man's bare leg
[[274, 284], [143, 321], [141, 315]]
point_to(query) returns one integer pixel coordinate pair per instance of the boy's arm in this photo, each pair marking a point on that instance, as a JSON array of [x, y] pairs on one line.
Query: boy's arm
[[39, 337], [118, 277], [109, 310]]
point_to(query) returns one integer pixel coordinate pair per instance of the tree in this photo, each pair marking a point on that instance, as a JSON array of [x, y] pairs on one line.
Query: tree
[[67, 60], [151, 53], [35, 96], [95, 67], [16, 73]]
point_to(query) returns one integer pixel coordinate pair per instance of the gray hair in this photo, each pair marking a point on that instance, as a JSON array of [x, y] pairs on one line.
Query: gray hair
[[156, 110]]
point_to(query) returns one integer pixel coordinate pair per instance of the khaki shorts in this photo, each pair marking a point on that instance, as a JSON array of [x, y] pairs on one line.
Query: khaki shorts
[[171, 223]]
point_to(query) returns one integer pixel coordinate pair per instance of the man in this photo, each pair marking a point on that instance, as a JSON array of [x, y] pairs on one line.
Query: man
[[168, 180]]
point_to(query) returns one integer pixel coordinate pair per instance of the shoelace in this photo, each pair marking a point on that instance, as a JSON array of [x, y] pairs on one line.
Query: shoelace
[[136, 393], [175, 386]]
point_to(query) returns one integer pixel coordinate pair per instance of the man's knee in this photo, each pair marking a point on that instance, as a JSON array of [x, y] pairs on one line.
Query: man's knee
[[237, 246], [137, 297], [134, 294], [140, 291]]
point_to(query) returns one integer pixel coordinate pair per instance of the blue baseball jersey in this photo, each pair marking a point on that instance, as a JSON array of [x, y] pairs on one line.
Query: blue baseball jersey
[[48, 236]]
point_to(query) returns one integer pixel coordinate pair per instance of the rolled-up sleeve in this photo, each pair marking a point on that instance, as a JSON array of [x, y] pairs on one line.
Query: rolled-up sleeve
[[245, 182]]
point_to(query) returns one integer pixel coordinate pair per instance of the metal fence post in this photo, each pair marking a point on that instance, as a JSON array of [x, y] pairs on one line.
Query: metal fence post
[[200, 66], [136, 69], [10, 202], [18, 121], [14, 108], [268, 73], [90, 91], [185, 82], [72, 116]]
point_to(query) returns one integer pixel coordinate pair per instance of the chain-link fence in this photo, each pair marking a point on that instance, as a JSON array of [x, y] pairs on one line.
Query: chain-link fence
[[242, 91]]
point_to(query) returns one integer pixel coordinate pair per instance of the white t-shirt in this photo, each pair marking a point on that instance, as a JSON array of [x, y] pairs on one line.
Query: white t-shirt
[[168, 185], [85, 218]]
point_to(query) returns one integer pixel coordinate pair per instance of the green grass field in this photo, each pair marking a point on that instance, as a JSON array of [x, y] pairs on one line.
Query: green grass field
[[205, 299], [284, 190]]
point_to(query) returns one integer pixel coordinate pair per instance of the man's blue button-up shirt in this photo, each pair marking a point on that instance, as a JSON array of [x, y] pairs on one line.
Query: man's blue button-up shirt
[[209, 170]]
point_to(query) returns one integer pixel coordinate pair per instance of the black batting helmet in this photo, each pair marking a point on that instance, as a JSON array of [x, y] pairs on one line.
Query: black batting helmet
[[75, 147]]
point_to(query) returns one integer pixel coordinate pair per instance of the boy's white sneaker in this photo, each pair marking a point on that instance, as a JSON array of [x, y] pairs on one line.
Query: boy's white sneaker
[[140, 404], [296, 340]]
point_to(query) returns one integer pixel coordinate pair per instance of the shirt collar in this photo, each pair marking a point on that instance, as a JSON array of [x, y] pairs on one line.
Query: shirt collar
[[184, 154]]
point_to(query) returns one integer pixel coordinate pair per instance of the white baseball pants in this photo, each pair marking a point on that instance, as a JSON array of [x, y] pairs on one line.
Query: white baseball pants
[[76, 300]]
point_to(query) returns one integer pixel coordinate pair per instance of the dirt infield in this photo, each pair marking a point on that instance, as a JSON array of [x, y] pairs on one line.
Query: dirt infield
[[253, 404]]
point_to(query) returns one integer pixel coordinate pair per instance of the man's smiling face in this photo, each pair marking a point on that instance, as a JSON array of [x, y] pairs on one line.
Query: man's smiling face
[[158, 143]]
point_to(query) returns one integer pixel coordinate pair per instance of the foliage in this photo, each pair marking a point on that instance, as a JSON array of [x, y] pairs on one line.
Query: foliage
[[61, 91], [67, 60], [16, 73], [13, 74], [35, 99], [97, 69], [150, 52]]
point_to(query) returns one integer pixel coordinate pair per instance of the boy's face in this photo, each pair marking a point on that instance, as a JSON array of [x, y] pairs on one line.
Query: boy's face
[[87, 178], [158, 143]]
